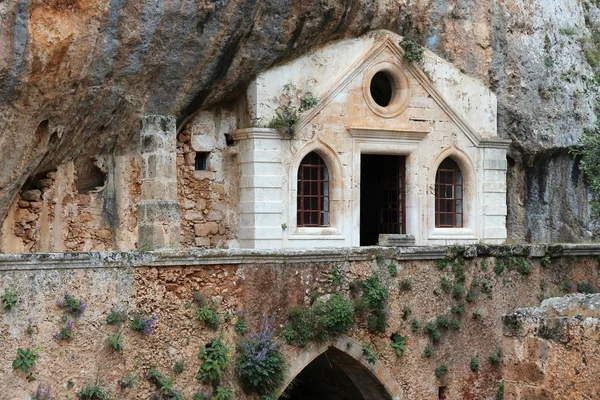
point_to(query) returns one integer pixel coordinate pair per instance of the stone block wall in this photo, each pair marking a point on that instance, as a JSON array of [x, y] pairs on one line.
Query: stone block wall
[[553, 351], [163, 283]]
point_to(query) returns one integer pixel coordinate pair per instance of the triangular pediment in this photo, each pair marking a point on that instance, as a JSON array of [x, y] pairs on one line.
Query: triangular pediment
[[388, 44]]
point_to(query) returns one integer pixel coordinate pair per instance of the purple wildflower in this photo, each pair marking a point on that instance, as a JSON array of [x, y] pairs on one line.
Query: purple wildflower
[[71, 305], [42, 394], [143, 324]]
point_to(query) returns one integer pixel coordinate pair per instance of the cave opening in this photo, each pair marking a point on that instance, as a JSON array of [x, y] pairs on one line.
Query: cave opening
[[335, 375]]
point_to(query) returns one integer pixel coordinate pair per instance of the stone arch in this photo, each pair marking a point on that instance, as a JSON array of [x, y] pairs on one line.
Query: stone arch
[[373, 381]]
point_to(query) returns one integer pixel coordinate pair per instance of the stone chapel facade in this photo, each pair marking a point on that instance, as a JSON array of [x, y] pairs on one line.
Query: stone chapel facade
[[390, 147]]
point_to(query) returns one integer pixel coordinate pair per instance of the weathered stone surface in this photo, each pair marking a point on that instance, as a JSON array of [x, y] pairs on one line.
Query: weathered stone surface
[[32, 195]]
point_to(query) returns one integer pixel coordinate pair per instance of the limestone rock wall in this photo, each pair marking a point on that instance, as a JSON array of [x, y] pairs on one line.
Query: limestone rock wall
[[551, 352], [77, 75]]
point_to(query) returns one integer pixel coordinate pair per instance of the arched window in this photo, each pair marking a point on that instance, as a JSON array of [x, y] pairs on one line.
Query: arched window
[[313, 192], [448, 195]]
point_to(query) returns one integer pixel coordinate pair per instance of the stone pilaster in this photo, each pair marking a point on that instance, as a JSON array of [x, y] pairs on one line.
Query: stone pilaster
[[158, 211]]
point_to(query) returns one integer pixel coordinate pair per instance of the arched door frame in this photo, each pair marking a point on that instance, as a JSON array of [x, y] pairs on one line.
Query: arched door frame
[[350, 348]]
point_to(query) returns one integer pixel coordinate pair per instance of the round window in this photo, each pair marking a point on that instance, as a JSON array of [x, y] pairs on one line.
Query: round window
[[382, 89], [386, 89]]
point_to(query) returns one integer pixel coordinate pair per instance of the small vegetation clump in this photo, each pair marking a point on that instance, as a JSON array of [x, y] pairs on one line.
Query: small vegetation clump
[[393, 269], [369, 354], [66, 332], [474, 363], [240, 325], [433, 333], [499, 267], [9, 299], [398, 343], [445, 284], [442, 322], [214, 358], [288, 114], [415, 325], [25, 360], [128, 381], [336, 276], [114, 342], [458, 309], [116, 316], [42, 393], [406, 284], [406, 312], [441, 371], [412, 50], [71, 305], [260, 366], [586, 287], [428, 352], [208, 316], [458, 291], [496, 357], [142, 323], [164, 385], [375, 297], [92, 392]]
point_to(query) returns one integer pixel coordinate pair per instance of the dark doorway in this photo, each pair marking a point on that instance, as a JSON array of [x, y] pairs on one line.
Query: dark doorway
[[382, 202], [334, 375]]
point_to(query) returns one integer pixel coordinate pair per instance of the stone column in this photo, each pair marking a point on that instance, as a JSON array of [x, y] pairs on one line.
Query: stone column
[[158, 212]]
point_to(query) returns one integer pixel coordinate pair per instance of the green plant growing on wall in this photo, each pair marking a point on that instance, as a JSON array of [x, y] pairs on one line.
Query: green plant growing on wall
[[260, 366], [214, 358], [406, 312], [369, 354], [455, 324], [336, 276], [66, 332], [445, 284], [92, 392], [441, 371], [500, 390], [477, 314], [9, 299], [398, 343], [289, 113], [116, 316], [393, 269], [128, 381], [458, 309], [412, 50], [433, 333], [71, 305], [142, 323], [495, 358], [406, 284], [42, 393], [415, 325], [333, 317], [442, 322], [178, 367], [164, 385], [222, 393], [499, 267], [25, 360], [586, 287], [458, 291], [300, 328], [475, 363], [375, 297], [114, 342], [546, 261], [208, 316], [240, 324], [428, 352]]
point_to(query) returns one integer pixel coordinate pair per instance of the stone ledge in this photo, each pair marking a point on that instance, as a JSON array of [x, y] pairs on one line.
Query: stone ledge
[[195, 257]]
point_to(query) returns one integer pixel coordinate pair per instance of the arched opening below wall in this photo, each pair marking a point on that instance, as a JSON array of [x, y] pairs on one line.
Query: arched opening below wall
[[336, 375]]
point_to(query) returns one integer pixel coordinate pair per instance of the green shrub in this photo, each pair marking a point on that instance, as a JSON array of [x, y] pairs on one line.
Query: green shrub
[[406, 284], [128, 381], [499, 267], [9, 299], [412, 50], [240, 324], [300, 328], [214, 358], [406, 312], [333, 317], [430, 330], [208, 316], [178, 367], [398, 343], [71, 305], [393, 269], [260, 366], [441, 371], [500, 391], [455, 324], [442, 322], [458, 309], [586, 287], [336, 276], [116, 316]]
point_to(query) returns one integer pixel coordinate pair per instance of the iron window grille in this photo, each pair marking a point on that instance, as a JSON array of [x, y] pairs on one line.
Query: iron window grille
[[313, 192], [449, 204]]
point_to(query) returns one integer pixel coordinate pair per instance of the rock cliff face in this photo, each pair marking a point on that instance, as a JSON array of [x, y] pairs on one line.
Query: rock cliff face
[[76, 75]]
